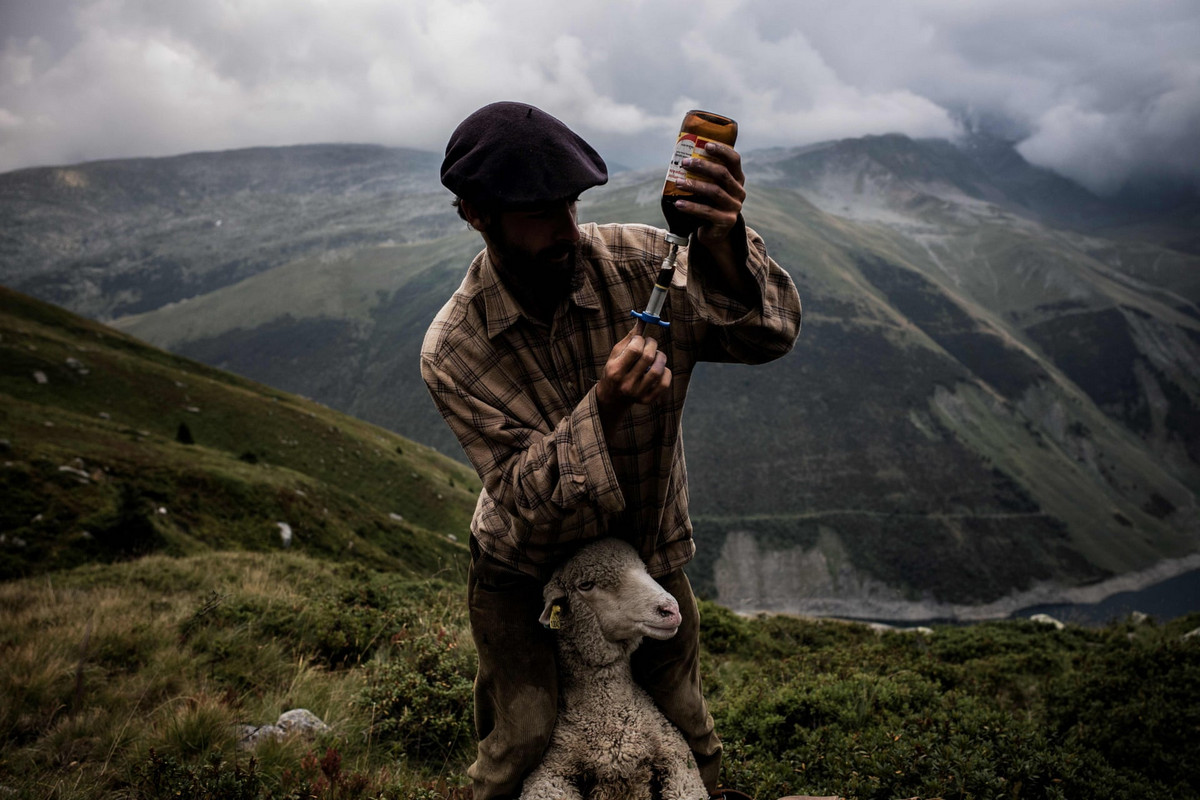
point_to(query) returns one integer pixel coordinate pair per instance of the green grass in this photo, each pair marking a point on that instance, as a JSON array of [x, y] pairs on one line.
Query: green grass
[[109, 667], [1006, 709], [112, 449], [312, 287], [130, 680]]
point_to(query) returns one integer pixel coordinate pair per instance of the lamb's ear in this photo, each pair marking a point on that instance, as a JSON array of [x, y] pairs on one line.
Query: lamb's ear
[[555, 595]]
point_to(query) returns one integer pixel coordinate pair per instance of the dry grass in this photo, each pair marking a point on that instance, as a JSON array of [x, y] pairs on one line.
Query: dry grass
[[101, 665]]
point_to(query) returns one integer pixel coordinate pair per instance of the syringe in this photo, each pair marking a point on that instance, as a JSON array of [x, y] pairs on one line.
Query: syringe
[[658, 295]]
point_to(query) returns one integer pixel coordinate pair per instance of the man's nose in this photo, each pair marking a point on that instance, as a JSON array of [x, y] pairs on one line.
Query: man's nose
[[566, 228]]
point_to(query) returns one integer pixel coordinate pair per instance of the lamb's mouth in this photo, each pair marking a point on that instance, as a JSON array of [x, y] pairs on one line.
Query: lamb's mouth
[[659, 631]]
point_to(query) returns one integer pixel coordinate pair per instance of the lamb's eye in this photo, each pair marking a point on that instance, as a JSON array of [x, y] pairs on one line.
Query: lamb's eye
[[586, 586]]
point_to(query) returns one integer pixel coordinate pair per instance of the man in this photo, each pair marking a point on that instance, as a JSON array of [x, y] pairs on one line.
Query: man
[[571, 414]]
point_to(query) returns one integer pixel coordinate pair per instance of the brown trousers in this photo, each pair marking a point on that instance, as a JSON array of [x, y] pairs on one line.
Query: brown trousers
[[516, 688]]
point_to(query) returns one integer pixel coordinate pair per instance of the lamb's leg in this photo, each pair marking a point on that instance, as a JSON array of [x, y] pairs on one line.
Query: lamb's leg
[[682, 782], [681, 779], [635, 788], [545, 784]]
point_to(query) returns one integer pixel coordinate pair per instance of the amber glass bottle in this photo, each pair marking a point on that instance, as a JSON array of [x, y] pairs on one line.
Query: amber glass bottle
[[699, 128]]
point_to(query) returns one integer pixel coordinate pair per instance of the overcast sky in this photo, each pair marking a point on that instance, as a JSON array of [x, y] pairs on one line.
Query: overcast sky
[[1099, 90]]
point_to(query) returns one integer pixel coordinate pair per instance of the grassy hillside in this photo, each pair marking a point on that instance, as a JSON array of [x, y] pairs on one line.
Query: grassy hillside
[[131, 680], [113, 449]]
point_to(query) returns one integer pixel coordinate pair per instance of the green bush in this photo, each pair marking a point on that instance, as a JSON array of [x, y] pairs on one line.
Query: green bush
[[419, 696], [995, 710], [721, 630], [1137, 705], [165, 778], [340, 622]]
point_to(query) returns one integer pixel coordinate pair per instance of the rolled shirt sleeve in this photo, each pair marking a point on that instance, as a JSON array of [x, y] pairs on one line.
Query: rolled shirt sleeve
[[734, 331], [537, 476]]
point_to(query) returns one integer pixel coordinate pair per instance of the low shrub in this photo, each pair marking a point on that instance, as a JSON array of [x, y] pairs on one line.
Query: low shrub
[[997, 710], [163, 777], [1136, 704], [419, 695]]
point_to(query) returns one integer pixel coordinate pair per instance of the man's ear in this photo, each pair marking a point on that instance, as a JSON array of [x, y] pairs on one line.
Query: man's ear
[[555, 595], [476, 217]]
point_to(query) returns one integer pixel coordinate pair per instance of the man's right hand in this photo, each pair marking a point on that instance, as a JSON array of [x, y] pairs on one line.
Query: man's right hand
[[636, 372]]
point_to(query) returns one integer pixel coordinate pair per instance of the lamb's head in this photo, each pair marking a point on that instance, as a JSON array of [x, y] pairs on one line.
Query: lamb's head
[[605, 588]]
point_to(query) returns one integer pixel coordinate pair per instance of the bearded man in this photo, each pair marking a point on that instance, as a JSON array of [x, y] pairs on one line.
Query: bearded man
[[571, 413]]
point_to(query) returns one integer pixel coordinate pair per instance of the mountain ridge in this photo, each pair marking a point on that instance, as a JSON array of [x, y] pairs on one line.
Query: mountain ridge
[[946, 389]]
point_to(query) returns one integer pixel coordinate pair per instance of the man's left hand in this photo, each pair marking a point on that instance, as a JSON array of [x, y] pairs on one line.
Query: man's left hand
[[720, 188]]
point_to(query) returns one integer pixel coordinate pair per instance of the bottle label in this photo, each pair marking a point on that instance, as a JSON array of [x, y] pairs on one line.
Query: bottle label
[[688, 145]]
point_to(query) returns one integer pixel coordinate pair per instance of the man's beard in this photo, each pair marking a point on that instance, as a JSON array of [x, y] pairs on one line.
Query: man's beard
[[545, 276]]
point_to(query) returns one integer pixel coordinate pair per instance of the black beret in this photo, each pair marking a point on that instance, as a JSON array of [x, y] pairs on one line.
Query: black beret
[[512, 154]]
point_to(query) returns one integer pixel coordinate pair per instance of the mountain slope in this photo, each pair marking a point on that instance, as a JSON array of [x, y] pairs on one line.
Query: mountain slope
[[109, 238], [945, 431], [114, 449], [1118, 317]]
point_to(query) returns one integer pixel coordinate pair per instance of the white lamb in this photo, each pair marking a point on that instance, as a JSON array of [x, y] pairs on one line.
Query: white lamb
[[610, 741]]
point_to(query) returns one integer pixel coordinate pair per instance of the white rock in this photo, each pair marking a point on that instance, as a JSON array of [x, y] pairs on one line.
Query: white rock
[[301, 721], [1046, 619], [297, 722], [40, 377], [249, 736], [78, 473], [285, 533]]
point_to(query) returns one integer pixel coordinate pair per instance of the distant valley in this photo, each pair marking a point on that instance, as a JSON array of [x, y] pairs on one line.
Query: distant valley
[[996, 394]]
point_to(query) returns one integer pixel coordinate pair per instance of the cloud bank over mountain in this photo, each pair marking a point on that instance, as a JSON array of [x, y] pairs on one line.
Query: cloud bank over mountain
[[1100, 91]]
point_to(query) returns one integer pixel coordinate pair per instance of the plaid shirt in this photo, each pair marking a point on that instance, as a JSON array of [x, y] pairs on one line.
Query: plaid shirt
[[520, 397]]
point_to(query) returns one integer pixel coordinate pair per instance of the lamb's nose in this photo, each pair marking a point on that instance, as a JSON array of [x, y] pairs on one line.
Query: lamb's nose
[[668, 609]]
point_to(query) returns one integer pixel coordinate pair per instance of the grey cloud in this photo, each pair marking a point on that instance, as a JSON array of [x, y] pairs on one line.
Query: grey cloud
[[1105, 90]]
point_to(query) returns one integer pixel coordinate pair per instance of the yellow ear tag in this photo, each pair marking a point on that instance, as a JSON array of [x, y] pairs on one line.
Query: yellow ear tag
[[555, 622]]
